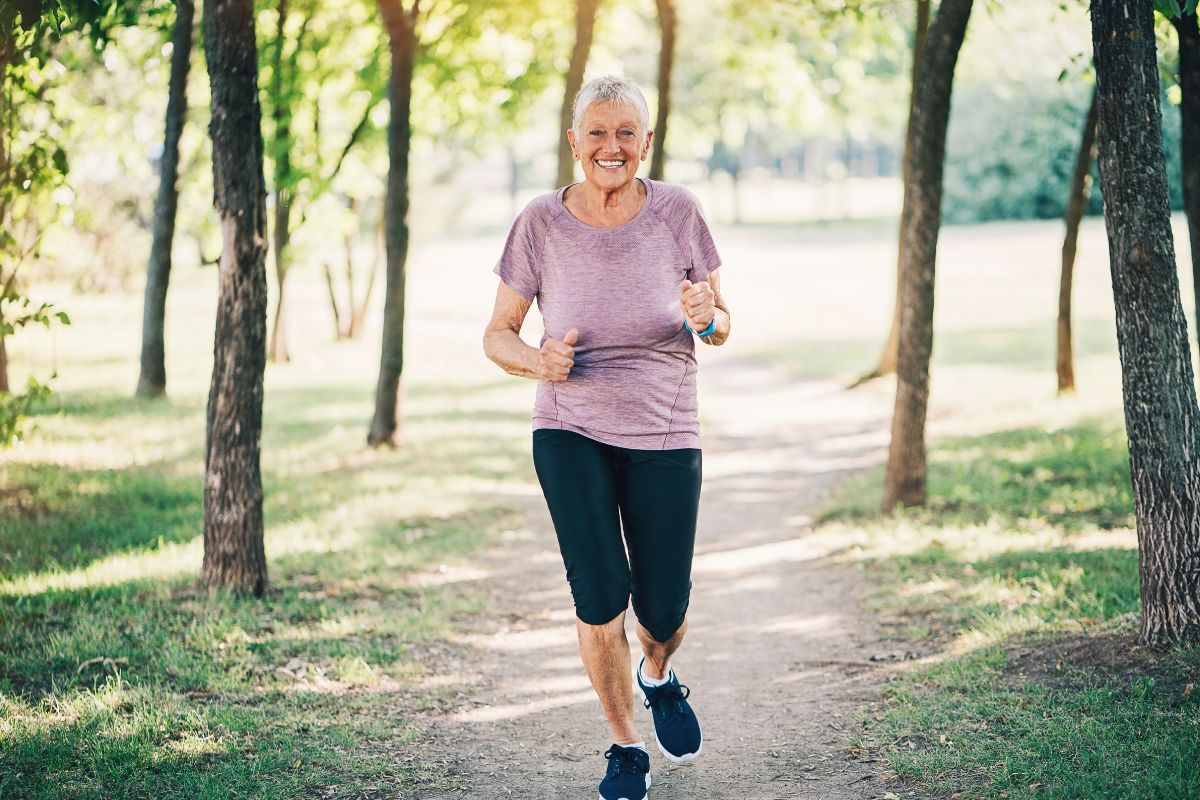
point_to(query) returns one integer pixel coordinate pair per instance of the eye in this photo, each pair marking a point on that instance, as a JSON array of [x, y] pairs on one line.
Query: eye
[[595, 133], [627, 133]]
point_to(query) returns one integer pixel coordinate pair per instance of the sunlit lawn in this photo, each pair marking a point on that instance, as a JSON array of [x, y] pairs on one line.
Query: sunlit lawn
[[121, 677], [1019, 583]]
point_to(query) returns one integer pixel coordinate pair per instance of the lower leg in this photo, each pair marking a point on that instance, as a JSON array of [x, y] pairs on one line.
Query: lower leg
[[658, 654], [605, 653]]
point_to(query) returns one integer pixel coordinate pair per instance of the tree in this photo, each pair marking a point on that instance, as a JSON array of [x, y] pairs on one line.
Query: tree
[[887, 359], [1081, 185], [905, 478], [401, 25], [152, 380], [282, 95], [1161, 414], [666, 58], [585, 24], [234, 556], [1189, 115]]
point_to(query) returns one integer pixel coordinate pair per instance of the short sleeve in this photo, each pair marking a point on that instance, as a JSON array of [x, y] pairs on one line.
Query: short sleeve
[[698, 244], [519, 263]]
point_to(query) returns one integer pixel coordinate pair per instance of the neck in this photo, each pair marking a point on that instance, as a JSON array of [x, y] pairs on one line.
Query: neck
[[603, 201]]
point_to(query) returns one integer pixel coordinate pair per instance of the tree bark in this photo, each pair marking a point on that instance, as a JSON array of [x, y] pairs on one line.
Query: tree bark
[[233, 527], [152, 380], [402, 38], [1189, 161], [887, 359], [905, 478], [585, 24], [281, 115], [1081, 186], [666, 59], [1152, 338]]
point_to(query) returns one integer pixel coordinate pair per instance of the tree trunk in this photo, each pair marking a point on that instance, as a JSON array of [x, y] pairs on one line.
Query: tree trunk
[[402, 38], [359, 312], [152, 381], [1152, 338], [585, 24], [3, 361], [1189, 161], [666, 58], [887, 359], [905, 479], [281, 115], [233, 526], [1081, 186]]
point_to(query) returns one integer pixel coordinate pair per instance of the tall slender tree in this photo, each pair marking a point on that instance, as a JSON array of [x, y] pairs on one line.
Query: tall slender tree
[[1161, 415], [887, 359], [234, 556], [668, 24], [152, 380], [1081, 186], [585, 25], [401, 24], [905, 478], [281, 114], [1189, 158]]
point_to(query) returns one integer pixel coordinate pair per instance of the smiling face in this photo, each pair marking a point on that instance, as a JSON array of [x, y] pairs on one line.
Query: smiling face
[[610, 144]]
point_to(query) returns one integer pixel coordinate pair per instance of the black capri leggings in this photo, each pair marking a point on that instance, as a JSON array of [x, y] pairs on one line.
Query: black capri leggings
[[595, 489]]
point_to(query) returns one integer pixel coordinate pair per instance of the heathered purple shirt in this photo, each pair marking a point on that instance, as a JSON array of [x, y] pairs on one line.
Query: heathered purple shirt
[[634, 379]]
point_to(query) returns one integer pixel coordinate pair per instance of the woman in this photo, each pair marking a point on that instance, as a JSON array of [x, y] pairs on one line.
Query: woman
[[624, 272]]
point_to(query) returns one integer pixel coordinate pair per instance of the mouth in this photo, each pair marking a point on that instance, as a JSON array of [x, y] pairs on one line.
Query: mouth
[[610, 163]]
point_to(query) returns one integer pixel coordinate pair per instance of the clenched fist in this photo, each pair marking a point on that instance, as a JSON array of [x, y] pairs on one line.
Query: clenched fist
[[699, 303], [557, 356]]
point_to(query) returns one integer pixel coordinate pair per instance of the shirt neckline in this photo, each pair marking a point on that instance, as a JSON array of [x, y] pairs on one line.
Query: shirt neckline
[[649, 184]]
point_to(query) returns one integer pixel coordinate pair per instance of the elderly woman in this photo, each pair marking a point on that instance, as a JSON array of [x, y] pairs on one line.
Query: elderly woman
[[624, 273]]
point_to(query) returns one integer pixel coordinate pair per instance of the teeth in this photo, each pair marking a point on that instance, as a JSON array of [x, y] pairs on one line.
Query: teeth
[[609, 163]]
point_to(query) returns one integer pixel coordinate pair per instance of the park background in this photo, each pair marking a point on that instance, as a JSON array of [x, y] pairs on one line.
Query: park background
[[1011, 595]]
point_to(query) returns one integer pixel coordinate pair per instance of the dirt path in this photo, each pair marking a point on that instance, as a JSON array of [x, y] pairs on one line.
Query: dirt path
[[778, 654]]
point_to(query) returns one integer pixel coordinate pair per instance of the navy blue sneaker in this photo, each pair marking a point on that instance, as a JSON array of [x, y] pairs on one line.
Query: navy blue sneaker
[[628, 775], [675, 725]]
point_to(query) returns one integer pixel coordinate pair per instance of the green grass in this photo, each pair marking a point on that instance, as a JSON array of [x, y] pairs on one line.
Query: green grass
[[1019, 583], [100, 522]]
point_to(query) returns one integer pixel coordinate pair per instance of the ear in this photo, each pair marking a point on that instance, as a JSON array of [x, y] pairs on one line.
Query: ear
[[571, 139], [649, 139]]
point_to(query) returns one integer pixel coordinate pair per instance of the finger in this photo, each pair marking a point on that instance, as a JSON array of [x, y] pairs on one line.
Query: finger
[[571, 336], [685, 286]]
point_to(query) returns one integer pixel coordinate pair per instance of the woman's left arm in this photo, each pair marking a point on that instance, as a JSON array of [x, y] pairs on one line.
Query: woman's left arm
[[721, 313]]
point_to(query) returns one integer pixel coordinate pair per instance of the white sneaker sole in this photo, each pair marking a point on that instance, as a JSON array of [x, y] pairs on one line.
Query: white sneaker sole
[[682, 760], [645, 796]]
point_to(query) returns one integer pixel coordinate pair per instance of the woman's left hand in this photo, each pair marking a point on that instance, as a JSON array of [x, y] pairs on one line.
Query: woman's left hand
[[698, 302]]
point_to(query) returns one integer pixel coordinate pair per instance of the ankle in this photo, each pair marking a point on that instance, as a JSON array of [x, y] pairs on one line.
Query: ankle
[[651, 672]]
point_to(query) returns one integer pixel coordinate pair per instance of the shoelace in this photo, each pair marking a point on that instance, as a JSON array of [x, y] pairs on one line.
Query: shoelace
[[670, 696], [625, 757]]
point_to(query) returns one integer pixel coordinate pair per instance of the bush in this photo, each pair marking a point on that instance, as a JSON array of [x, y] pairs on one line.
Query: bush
[[1010, 153]]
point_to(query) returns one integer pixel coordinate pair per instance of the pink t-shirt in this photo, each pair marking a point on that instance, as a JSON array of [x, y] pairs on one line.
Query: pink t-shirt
[[634, 379]]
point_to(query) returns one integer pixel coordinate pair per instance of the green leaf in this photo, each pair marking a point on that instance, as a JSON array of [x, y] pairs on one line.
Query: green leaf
[[62, 317]]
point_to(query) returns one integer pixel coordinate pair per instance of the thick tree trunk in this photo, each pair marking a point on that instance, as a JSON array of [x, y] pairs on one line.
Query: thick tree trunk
[[1189, 160], [1081, 185], [585, 24], [233, 526], [666, 59], [281, 116], [887, 359], [152, 381], [402, 37], [1161, 416], [905, 479]]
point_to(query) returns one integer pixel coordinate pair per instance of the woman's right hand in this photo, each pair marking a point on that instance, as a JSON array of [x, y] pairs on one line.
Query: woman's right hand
[[557, 356]]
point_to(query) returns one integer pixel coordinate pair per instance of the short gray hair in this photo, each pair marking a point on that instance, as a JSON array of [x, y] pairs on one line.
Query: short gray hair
[[614, 90]]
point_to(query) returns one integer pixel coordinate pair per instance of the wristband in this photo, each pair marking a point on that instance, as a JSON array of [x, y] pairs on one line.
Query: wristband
[[712, 326]]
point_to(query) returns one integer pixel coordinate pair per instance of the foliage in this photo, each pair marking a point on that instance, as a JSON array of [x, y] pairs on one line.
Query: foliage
[[1010, 153]]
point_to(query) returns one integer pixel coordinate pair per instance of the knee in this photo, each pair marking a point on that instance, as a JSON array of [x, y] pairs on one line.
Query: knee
[[601, 634], [662, 631]]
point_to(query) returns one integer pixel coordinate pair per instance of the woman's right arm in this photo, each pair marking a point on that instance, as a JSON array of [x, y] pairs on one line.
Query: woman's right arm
[[502, 342]]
